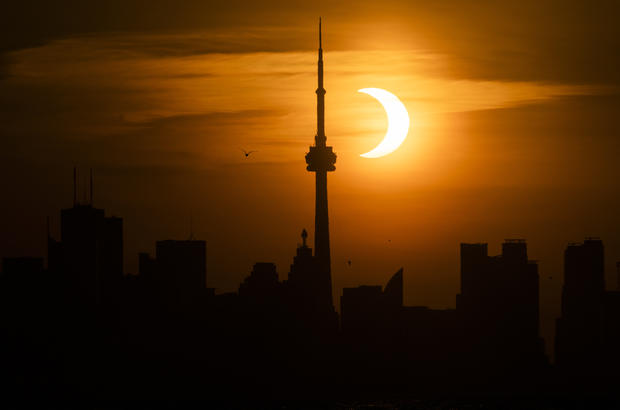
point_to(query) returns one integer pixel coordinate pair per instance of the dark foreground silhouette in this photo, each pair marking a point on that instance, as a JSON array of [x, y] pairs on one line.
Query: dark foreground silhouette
[[80, 329]]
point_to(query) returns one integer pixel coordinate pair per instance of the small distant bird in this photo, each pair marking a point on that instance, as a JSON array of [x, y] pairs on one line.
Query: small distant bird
[[389, 240], [349, 263], [247, 153]]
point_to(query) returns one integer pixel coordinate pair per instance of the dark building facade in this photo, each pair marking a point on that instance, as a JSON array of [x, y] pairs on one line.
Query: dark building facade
[[262, 286], [370, 311], [498, 306], [610, 332], [12, 267], [383, 337], [306, 293], [178, 273], [578, 331]]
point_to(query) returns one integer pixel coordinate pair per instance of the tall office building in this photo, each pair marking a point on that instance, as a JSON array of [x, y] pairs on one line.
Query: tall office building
[[499, 303], [578, 330], [89, 255]]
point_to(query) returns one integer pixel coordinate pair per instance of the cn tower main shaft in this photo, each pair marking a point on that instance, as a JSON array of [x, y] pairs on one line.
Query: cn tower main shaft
[[321, 160]]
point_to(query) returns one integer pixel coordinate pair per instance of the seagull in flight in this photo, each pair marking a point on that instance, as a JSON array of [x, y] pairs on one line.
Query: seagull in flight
[[247, 153]]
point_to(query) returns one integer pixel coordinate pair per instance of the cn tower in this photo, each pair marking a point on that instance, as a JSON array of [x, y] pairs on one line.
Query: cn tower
[[321, 160]]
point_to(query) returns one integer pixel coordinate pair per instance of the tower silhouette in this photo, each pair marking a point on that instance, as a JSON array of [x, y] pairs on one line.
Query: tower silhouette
[[321, 160]]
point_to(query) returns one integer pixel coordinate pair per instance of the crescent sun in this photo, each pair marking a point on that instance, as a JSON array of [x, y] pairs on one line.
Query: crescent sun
[[398, 122]]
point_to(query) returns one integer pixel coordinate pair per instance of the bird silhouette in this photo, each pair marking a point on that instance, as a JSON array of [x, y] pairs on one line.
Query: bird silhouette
[[349, 263], [247, 153]]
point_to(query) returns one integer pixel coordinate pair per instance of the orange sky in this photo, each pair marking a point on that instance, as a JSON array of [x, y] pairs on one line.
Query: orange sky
[[514, 132]]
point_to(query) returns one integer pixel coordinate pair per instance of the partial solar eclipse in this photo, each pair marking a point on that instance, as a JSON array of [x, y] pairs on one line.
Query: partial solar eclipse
[[398, 122]]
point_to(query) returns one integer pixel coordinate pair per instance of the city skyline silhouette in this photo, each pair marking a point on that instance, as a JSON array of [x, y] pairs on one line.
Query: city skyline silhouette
[[174, 273]]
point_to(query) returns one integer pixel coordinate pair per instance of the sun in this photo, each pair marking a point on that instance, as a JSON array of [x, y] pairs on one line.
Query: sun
[[398, 122]]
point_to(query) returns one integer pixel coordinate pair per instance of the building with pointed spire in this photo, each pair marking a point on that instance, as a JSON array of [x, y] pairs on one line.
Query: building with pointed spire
[[321, 160], [308, 291], [302, 283]]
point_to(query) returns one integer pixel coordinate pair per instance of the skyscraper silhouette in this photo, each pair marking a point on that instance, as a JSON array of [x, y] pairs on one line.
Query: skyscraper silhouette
[[499, 305], [89, 255], [321, 160], [578, 331]]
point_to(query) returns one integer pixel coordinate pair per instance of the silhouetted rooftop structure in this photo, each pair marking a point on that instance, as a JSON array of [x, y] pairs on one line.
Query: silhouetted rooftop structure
[[369, 310], [262, 283]]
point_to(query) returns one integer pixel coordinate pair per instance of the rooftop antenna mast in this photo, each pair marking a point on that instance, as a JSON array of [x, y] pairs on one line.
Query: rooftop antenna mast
[[75, 187], [320, 96], [91, 187]]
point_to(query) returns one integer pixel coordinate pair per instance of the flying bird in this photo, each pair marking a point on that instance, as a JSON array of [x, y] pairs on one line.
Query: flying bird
[[349, 263], [247, 153]]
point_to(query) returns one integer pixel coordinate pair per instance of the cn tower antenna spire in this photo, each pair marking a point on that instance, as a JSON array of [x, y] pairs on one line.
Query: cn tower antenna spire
[[320, 43], [320, 98]]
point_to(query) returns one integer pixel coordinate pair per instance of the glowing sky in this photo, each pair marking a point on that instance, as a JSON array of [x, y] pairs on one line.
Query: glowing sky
[[514, 131]]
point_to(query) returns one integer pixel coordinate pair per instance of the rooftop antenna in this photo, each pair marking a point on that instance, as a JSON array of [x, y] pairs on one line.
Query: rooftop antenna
[[320, 43], [49, 239], [91, 187], [320, 96], [75, 186]]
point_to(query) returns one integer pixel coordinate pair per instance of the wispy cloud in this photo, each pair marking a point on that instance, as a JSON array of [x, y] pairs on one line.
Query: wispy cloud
[[138, 96]]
